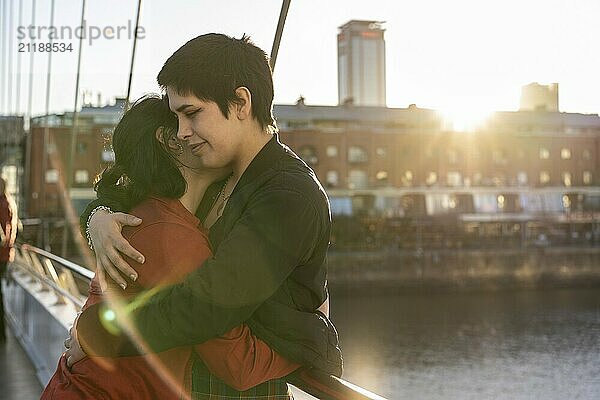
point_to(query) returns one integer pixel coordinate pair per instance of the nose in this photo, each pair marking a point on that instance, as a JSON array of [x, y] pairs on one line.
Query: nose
[[184, 130]]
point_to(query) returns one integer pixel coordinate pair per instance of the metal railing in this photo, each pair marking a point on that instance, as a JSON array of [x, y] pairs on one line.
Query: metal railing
[[42, 265]]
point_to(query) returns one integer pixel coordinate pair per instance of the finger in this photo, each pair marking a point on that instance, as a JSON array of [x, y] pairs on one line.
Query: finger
[[127, 219], [67, 343], [116, 261], [69, 361], [113, 273], [101, 276], [123, 246]]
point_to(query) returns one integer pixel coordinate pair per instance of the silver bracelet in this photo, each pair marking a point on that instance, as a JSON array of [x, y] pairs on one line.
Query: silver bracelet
[[87, 224]]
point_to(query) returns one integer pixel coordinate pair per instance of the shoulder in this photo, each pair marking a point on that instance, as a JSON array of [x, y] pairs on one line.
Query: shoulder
[[164, 222], [171, 245]]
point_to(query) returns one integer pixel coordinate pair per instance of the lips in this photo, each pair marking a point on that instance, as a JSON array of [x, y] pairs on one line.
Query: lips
[[196, 148]]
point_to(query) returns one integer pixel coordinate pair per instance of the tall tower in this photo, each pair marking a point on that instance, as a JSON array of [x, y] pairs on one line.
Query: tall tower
[[361, 63]]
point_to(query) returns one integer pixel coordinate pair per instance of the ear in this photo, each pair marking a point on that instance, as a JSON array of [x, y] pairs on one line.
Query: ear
[[243, 108], [159, 135]]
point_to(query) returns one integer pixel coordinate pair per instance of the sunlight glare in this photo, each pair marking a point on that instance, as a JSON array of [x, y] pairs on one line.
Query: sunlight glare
[[464, 119]]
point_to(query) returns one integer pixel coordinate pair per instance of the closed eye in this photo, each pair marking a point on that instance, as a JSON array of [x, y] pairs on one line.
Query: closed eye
[[192, 113]]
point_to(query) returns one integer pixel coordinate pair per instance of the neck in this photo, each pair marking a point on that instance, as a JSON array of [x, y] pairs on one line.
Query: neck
[[250, 149], [197, 183]]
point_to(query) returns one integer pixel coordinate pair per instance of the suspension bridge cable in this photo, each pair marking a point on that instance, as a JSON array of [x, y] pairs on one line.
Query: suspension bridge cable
[[19, 74], [30, 88], [135, 38], [73, 222], [9, 58], [278, 32]]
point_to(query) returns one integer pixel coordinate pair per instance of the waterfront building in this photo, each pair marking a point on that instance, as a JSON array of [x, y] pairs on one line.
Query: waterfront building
[[50, 149]]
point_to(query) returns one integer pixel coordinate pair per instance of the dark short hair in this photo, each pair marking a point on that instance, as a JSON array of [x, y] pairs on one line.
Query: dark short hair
[[143, 166], [214, 65]]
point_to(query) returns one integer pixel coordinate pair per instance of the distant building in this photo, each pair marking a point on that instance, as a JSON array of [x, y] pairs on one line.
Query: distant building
[[92, 153], [385, 152], [376, 147], [361, 64], [536, 97]]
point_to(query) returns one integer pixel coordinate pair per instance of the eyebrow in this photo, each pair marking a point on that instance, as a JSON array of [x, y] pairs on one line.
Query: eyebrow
[[183, 107]]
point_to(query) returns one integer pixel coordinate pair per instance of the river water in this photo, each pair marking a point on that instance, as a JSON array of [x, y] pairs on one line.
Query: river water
[[537, 344]]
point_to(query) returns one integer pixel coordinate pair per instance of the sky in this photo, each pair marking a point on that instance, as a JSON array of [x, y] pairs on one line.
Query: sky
[[460, 56]]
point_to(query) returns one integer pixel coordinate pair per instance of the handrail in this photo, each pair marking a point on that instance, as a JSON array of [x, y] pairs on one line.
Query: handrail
[[86, 273], [50, 283]]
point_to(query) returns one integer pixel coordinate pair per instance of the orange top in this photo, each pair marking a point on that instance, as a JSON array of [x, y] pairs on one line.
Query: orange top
[[174, 245]]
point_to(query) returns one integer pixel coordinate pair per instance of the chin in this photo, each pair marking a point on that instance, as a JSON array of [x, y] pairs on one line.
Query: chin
[[211, 163]]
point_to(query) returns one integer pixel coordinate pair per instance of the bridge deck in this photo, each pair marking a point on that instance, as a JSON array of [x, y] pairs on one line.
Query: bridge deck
[[17, 374]]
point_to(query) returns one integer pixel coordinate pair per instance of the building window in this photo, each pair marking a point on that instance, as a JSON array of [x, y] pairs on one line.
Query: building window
[[566, 178], [108, 156], [522, 178], [454, 178], [81, 176], [308, 154], [499, 156], [357, 154], [82, 148], [500, 201], [52, 176], [587, 177], [331, 151], [452, 156], [407, 178], [431, 178], [358, 179], [544, 177], [381, 176], [431, 152], [51, 148], [544, 153], [380, 152], [499, 179], [587, 155], [566, 202], [565, 153], [332, 178]]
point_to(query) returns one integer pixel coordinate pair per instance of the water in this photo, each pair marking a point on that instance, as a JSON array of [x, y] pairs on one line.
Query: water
[[497, 345]]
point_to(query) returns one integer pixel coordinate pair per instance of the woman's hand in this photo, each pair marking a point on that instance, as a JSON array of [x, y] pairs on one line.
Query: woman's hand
[[109, 245]]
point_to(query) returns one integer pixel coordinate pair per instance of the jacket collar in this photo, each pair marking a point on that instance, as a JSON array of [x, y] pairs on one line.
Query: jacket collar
[[263, 161]]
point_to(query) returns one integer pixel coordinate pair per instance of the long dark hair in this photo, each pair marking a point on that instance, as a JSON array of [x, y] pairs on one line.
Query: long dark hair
[[143, 166]]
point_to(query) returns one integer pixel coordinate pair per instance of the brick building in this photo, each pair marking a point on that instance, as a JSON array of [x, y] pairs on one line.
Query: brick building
[[370, 147], [91, 154]]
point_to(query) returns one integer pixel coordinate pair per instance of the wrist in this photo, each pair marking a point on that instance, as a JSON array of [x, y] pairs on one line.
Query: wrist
[[89, 220]]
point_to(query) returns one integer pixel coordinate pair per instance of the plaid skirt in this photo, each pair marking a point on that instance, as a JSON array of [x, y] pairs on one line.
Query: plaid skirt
[[206, 386]]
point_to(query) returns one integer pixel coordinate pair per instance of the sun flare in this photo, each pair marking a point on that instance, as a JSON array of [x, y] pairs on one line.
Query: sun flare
[[464, 119]]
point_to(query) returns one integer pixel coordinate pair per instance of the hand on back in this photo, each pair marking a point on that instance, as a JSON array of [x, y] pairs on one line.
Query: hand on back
[[110, 246]]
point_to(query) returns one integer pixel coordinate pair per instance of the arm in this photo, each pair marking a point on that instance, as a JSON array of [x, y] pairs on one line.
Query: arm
[[242, 360], [104, 231], [13, 225], [3, 236], [276, 233], [173, 250]]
